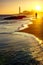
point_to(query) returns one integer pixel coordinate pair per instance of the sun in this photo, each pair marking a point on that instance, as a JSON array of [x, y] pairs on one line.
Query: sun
[[38, 8]]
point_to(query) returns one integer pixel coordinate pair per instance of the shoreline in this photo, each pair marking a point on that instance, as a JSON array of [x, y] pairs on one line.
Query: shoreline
[[36, 29]]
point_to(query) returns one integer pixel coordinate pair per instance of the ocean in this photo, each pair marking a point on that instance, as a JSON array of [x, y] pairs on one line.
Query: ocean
[[20, 46], [8, 26]]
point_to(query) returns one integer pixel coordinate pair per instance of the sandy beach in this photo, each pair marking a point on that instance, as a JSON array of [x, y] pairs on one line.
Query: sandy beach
[[36, 28]]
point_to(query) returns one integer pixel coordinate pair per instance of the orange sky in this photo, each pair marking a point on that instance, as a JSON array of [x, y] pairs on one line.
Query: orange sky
[[11, 6]]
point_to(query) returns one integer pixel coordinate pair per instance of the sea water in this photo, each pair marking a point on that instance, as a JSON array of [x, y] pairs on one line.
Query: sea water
[[18, 47]]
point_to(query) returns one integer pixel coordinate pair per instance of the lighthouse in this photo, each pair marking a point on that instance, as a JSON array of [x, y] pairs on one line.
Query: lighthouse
[[19, 9]]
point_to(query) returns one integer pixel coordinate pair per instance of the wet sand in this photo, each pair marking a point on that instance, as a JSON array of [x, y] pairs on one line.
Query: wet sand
[[36, 28]]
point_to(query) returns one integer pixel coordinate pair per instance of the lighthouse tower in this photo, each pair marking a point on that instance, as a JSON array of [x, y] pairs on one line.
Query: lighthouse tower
[[19, 10]]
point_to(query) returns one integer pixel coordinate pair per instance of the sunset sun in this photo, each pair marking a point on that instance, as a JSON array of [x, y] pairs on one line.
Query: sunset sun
[[38, 8]]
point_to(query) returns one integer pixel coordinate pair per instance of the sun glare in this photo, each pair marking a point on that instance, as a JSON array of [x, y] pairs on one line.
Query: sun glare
[[38, 8]]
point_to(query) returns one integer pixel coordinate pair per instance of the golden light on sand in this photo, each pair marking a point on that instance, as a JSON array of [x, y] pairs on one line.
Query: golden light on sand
[[38, 8]]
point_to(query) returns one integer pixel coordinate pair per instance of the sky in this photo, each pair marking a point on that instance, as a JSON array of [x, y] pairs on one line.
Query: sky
[[12, 6]]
